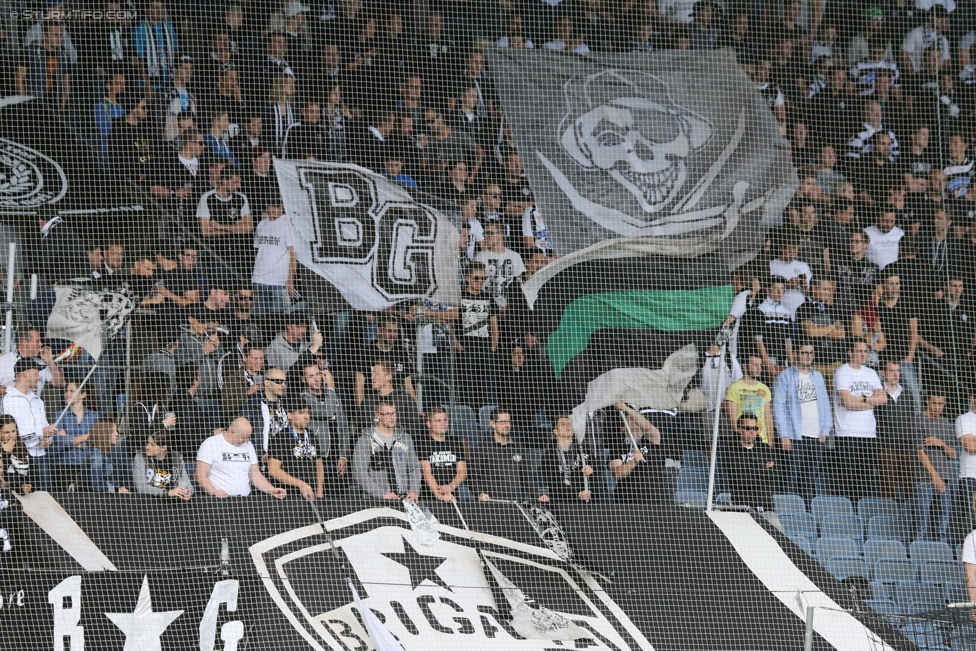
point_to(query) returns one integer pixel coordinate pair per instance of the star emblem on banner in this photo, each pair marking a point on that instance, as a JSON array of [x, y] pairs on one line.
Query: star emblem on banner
[[143, 627], [422, 567]]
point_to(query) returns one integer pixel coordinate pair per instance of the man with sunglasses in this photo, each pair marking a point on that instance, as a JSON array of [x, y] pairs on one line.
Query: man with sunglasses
[[801, 411], [750, 465], [266, 411]]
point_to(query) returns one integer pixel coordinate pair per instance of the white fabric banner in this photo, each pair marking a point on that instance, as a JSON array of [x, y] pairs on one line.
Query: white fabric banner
[[367, 236], [82, 315]]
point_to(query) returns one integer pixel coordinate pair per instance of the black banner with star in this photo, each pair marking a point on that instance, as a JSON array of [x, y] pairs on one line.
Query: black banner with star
[[657, 577]]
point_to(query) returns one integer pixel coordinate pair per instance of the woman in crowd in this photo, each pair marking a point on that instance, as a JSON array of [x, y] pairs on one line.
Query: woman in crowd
[[158, 471], [68, 452], [104, 468], [19, 471]]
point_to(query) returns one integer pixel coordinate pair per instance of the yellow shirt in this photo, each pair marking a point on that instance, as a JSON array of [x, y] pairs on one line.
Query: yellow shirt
[[751, 400]]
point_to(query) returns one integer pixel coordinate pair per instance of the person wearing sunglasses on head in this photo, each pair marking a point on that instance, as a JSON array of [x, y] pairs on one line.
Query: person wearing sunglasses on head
[[750, 465], [266, 412]]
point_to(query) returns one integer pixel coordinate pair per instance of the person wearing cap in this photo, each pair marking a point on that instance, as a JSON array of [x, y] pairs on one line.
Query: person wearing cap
[[874, 31], [289, 345], [30, 345], [21, 402], [930, 33]]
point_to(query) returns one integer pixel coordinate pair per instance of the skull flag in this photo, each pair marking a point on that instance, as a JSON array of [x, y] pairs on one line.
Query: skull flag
[[669, 145]]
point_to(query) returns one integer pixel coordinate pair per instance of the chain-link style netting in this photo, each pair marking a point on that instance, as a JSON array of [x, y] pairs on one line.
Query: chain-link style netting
[[530, 324]]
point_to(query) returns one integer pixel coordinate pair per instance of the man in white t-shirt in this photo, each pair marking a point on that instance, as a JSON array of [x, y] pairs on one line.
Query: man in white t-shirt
[[966, 435], [227, 464], [857, 391], [275, 263], [502, 265], [884, 238]]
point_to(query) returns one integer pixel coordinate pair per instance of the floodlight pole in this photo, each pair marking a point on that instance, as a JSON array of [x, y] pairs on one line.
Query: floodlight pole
[[9, 323], [718, 415]]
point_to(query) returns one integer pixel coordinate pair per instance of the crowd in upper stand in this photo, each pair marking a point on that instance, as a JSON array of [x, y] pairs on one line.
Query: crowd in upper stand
[[874, 257]]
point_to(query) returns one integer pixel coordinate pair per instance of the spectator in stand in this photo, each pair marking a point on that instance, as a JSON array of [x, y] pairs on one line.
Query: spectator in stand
[[750, 466], [275, 262], [157, 45], [566, 470], [19, 470], [224, 215], [383, 378], [875, 171], [896, 436], [857, 276], [104, 469], [179, 106], [636, 460], [31, 346], [159, 471], [502, 265], [936, 447], [242, 382], [290, 344], [193, 424], [68, 452], [938, 248], [749, 395], [900, 326], [884, 238], [567, 38], [825, 169], [227, 464], [265, 410], [445, 147], [130, 145], [183, 177], [391, 347], [307, 140], [46, 68], [796, 272], [108, 109], [771, 326], [327, 417], [21, 402], [499, 465], [803, 418], [958, 170], [393, 168], [443, 459], [772, 96], [930, 34], [218, 139], [295, 456], [823, 325], [280, 115], [478, 339], [947, 328], [385, 463], [857, 391], [919, 160], [862, 142]]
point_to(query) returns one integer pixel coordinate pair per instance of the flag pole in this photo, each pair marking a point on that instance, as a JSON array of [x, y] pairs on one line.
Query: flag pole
[[627, 425], [9, 321], [718, 415], [70, 402]]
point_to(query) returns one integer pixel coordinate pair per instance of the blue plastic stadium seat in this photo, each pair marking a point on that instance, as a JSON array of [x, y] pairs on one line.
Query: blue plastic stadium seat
[[955, 592], [919, 607], [926, 635], [869, 507], [882, 591], [693, 479], [799, 525], [875, 550], [847, 526], [889, 527], [843, 567], [824, 505], [484, 415], [963, 637], [886, 607], [464, 423], [697, 499], [940, 572], [805, 544], [783, 503], [888, 570], [909, 592], [831, 546], [540, 420], [929, 550], [693, 459]]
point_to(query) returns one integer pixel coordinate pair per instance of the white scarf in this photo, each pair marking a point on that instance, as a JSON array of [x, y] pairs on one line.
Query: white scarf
[[159, 55]]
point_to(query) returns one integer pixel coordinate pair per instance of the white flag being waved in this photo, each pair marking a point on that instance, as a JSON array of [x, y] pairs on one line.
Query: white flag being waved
[[379, 635], [85, 316], [367, 236]]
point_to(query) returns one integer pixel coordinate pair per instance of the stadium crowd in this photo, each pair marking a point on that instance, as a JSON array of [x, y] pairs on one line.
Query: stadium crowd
[[870, 271]]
